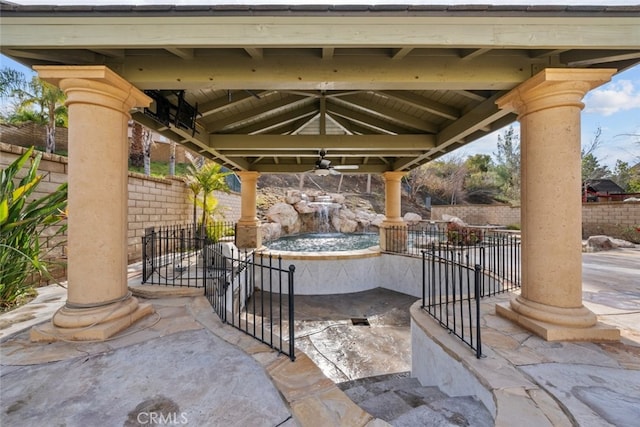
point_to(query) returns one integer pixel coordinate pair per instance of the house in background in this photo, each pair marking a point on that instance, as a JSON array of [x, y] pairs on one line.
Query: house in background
[[602, 190]]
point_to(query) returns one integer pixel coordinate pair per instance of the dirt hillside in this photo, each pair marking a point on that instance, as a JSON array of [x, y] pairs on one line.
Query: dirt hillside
[[273, 187]]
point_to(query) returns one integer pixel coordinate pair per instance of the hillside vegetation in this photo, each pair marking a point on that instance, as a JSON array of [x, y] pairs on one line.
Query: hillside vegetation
[[272, 188]]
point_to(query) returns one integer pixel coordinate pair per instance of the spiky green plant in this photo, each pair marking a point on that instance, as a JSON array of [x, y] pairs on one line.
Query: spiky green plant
[[27, 226]]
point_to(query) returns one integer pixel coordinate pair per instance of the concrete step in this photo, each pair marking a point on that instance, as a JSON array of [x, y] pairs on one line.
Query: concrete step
[[402, 401]]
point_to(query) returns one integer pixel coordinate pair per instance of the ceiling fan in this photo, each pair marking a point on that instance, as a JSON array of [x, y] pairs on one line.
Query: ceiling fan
[[324, 168]]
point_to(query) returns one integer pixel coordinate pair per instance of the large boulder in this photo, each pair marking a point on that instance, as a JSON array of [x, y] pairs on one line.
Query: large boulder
[[605, 243], [378, 220], [454, 219], [412, 218], [303, 207], [337, 198], [285, 215], [270, 231], [344, 220], [293, 196], [364, 218]]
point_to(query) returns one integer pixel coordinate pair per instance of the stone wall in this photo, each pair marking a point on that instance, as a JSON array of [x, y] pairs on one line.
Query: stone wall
[[152, 201], [616, 219], [480, 214]]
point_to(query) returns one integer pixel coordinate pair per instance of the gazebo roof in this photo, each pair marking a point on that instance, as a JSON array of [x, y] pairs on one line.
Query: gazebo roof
[[383, 87]]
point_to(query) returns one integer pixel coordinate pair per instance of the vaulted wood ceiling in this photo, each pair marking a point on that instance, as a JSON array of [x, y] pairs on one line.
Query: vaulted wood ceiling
[[385, 88]]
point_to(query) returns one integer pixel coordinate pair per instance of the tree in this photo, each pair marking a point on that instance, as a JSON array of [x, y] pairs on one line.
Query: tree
[[206, 179], [147, 141], [35, 101], [417, 181], [140, 147], [443, 179], [136, 152], [481, 180], [508, 165], [624, 176], [172, 158], [591, 167]]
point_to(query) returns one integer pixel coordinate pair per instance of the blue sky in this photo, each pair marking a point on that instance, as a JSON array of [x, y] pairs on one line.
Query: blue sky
[[614, 107]]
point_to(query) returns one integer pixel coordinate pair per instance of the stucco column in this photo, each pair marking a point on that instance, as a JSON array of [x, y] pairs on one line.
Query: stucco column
[[393, 233], [248, 231], [99, 303], [550, 303]]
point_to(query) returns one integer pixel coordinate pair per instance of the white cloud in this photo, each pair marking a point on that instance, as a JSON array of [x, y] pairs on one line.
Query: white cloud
[[613, 98]]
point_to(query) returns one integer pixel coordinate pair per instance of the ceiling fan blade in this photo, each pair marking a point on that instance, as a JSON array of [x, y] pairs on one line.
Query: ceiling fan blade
[[345, 167], [322, 172]]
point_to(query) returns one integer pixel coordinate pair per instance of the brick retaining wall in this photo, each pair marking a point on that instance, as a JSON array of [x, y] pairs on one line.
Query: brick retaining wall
[[152, 201], [616, 219]]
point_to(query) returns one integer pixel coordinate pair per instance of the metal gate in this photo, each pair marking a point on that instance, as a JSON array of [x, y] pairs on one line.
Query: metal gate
[[250, 291]]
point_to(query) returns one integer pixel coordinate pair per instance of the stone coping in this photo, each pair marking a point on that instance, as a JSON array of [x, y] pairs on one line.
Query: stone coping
[[512, 394], [371, 252]]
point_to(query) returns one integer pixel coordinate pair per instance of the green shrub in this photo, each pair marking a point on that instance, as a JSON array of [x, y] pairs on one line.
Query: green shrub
[[23, 221]]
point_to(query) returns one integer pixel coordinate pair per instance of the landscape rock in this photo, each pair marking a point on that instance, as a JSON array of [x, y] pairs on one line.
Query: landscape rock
[[337, 198], [312, 211], [271, 230], [378, 220], [293, 196], [303, 207], [412, 218], [454, 219], [605, 243], [286, 216], [344, 221]]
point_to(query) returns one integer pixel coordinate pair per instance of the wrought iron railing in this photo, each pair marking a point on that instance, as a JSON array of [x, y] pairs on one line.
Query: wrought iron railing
[[460, 266], [496, 251], [249, 291], [451, 295], [172, 255], [256, 297]]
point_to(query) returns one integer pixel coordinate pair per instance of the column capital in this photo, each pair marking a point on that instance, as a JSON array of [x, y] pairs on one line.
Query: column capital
[[393, 175], [554, 87], [94, 84], [249, 175]]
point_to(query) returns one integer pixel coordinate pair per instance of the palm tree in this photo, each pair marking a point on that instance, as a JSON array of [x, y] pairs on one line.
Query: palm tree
[[36, 101], [136, 152], [195, 188], [206, 179], [172, 158]]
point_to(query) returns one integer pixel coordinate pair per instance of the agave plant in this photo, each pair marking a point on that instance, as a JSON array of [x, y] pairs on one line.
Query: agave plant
[[27, 226]]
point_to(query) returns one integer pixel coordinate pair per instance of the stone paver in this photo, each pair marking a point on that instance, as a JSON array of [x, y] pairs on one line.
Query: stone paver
[[167, 363], [183, 360]]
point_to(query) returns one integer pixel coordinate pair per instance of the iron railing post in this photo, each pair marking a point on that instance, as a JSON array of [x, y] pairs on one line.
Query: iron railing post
[[424, 277], [478, 270], [292, 355]]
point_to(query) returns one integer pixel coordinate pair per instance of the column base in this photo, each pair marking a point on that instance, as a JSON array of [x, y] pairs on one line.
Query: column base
[[248, 235], [91, 324], [550, 331]]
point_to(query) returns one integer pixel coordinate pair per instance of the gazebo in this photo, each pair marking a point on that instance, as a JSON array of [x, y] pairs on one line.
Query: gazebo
[[383, 89]]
